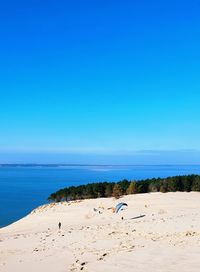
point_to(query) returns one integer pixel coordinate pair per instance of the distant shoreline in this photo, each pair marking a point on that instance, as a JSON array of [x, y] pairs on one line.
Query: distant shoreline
[[82, 165]]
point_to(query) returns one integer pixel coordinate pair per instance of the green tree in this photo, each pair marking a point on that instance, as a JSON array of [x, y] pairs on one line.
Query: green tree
[[124, 184], [143, 186], [174, 184], [186, 183], [52, 197], [196, 184], [109, 189]]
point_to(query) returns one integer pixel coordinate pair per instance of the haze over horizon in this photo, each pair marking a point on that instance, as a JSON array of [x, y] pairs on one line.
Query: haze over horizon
[[132, 158], [107, 82]]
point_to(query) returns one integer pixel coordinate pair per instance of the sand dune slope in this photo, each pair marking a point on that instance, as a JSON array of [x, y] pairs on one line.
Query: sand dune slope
[[160, 232]]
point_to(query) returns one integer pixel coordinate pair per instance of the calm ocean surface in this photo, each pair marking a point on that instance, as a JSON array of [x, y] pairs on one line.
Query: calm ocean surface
[[24, 188]]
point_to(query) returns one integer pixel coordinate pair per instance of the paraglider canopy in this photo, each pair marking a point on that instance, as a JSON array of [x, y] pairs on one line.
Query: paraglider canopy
[[120, 206]]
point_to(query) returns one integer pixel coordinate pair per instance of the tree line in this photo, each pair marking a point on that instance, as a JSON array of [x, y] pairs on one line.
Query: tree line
[[124, 187]]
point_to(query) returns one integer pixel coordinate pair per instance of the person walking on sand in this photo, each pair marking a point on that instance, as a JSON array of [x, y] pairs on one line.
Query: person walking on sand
[[59, 225]]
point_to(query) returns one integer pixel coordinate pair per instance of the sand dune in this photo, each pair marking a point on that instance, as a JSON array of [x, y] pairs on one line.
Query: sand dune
[[160, 232]]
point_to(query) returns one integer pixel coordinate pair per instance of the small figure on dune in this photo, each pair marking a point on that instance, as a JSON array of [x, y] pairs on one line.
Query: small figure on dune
[[59, 225]]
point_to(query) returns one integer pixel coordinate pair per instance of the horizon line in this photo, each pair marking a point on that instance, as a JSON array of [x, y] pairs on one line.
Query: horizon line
[[89, 164]]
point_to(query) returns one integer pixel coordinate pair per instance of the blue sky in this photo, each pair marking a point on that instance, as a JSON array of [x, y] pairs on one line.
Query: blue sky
[[89, 81]]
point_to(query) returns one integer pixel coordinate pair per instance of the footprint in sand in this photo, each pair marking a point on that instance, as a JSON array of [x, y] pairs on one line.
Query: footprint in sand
[[102, 257], [78, 266]]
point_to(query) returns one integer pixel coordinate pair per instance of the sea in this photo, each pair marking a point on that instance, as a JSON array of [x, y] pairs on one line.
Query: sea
[[23, 188]]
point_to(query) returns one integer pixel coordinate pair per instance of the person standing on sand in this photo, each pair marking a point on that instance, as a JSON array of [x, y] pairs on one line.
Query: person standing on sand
[[59, 225]]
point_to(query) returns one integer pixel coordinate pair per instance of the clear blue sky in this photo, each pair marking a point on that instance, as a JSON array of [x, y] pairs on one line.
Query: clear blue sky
[[99, 78]]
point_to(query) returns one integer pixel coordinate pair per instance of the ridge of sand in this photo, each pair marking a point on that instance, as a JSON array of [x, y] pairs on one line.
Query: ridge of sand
[[160, 232]]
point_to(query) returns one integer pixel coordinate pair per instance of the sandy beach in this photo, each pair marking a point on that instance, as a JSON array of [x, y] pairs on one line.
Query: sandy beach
[[159, 232]]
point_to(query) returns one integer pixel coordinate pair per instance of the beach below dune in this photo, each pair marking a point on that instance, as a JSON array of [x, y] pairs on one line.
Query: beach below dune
[[159, 232]]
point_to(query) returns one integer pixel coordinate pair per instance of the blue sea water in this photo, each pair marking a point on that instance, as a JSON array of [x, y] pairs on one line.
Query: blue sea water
[[24, 188]]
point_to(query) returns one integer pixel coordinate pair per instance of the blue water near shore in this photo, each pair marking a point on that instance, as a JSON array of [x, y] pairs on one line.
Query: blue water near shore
[[24, 188]]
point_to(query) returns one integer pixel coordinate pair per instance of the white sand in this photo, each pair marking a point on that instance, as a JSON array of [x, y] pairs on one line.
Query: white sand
[[166, 239]]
